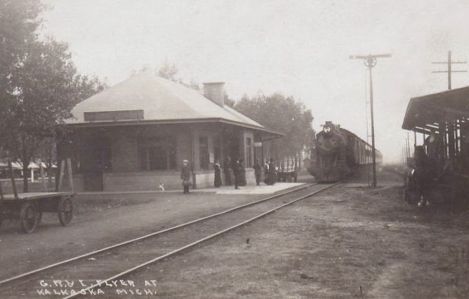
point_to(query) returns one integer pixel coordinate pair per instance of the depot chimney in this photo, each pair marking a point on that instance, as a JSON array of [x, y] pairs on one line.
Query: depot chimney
[[215, 92]]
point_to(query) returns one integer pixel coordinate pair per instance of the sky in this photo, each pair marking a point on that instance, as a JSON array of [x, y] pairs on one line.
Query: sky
[[298, 48]]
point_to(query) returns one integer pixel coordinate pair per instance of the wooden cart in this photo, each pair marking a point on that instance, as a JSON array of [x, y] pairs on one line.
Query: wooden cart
[[28, 207]]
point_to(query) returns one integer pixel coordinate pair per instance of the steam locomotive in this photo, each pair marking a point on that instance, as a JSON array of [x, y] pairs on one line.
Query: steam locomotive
[[338, 153]]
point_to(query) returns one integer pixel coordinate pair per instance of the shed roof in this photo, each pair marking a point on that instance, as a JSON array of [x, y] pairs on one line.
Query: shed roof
[[422, 112], [160, 100]]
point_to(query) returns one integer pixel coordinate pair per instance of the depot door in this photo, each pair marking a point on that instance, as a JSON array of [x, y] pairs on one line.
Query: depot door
[[96, 160]]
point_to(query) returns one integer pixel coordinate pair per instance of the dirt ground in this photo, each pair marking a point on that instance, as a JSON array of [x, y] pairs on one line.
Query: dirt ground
[[101, 222], [351, 242]]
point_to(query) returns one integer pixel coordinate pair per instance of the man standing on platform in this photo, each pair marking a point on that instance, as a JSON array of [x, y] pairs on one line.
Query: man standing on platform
[[272, 178], [266, 172], [236, 172], [226, 170], [186, 176], [257, 172], [217, 180]]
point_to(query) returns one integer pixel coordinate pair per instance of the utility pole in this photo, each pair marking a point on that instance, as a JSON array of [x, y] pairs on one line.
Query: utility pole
[[450, 70], [370, 62], [449, 127]]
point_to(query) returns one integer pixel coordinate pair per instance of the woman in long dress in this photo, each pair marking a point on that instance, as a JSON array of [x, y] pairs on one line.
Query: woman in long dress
[[217, 181]]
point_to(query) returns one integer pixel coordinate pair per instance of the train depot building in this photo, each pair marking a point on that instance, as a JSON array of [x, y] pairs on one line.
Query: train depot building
[[136, 134]]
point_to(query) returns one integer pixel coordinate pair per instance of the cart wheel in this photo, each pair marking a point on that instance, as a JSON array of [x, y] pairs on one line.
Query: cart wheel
[[39, 216], [29, 216], [65, 211], [1, 215]]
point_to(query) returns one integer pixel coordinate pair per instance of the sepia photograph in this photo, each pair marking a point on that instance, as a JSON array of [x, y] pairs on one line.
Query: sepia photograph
[[234, 149]]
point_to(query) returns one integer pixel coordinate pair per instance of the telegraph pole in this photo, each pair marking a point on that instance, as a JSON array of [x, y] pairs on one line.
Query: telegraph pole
[[370, 62], [450, 70], [449, 127]]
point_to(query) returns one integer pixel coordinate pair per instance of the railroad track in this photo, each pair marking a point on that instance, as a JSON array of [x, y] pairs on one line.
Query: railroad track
[[140, 252]]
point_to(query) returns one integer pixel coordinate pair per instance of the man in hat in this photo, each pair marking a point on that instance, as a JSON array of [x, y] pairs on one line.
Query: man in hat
[[186, 176], [257, 172], [217, 179], [236, 171], [272, 175]]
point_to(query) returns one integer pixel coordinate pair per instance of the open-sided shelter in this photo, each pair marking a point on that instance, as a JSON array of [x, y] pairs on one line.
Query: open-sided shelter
[[444, 115]]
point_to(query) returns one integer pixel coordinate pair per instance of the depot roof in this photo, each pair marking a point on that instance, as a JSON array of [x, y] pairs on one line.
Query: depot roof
[[147, 98], [425, 111]]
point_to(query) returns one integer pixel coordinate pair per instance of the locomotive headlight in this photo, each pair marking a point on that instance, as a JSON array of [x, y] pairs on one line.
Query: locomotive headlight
[[327, 129]]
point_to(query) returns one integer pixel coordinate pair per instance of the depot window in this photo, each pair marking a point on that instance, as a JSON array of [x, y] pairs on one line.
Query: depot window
[[204, 157], [157, 153]]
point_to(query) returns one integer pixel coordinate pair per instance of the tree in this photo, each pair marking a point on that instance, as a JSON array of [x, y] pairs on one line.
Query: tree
[[18, 23], [168, 71], [282, 114], [39, 83], [47, 87], [229, 101]]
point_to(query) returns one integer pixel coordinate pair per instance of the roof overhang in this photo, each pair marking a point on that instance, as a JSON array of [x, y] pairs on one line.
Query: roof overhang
[[426, 112], [271, 134]]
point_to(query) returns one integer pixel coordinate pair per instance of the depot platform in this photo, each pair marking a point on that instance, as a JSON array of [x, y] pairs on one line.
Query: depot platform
[[251, 189], [223, 190]]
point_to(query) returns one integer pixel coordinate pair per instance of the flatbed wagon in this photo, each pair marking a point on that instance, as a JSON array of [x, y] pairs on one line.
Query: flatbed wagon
[[29, 207]]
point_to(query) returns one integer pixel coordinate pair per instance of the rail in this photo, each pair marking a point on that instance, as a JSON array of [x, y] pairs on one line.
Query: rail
[[120, 275], [152, 234]]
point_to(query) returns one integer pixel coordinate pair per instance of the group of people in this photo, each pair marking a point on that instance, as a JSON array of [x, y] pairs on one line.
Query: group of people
[[235, 167], [234, 173]]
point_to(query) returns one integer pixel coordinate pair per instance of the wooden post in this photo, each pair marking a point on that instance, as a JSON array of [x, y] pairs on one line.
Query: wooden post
[[262, 152], [43, 179], [69, 172], [451, 141], [57, 176], [192, 163], [1, 191], [61, 175], [49, 173], [12, 177]]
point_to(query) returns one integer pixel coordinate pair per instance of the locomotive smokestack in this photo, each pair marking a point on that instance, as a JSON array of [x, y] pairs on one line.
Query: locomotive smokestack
[[215, 92]]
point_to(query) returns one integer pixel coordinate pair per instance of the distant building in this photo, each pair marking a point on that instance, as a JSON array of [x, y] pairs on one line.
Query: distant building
[[135, 135]]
